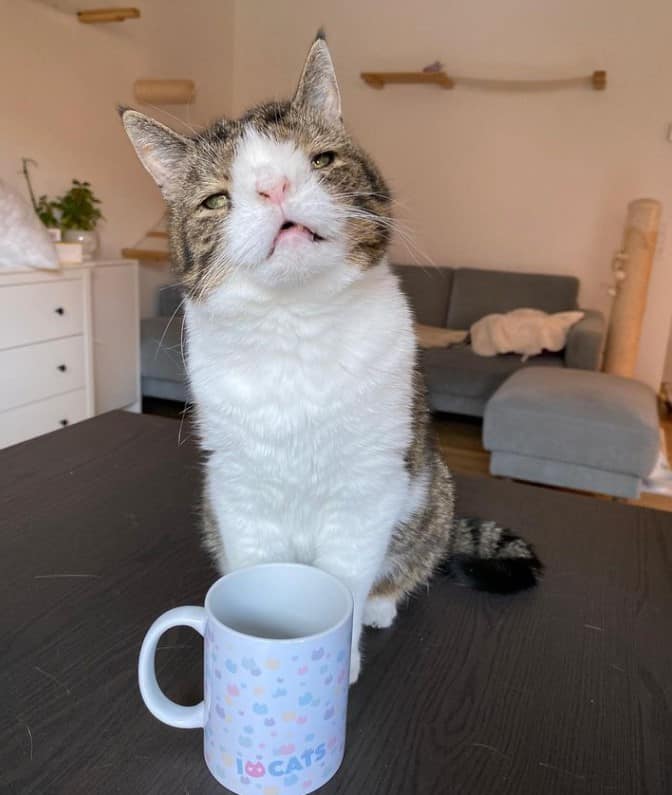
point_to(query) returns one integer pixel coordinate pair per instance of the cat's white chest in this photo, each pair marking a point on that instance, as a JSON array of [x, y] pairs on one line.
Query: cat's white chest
[[307, 413]]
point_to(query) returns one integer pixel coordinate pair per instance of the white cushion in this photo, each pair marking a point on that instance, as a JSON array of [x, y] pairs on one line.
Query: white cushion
[[24, 242], [524, 331]]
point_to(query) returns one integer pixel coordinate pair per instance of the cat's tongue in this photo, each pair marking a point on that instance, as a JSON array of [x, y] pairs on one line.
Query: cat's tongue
[[290, 231]]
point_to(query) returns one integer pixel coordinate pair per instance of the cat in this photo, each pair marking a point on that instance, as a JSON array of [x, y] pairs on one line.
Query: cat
[[302, 359]]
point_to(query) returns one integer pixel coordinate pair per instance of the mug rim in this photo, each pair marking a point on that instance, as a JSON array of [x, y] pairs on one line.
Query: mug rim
[[315, 636]]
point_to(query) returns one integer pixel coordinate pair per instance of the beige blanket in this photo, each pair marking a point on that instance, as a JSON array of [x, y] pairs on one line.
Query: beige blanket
[[438, 337]]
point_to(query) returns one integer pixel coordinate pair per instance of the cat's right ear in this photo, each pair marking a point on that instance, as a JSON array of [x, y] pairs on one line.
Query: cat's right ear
[[160, 149]]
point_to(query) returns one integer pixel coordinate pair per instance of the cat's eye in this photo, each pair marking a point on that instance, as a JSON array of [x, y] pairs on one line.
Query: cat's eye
[[216, 201], [323, 160]]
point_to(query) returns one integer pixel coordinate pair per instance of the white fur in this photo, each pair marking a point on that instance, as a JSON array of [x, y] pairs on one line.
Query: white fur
[[304, 391]]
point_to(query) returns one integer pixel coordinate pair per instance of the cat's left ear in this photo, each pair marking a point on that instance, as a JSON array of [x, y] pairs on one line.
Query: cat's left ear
[[317, 87]]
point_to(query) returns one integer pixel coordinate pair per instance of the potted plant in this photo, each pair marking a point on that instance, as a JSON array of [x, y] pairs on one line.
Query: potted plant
[[44, 208], [79, 215]]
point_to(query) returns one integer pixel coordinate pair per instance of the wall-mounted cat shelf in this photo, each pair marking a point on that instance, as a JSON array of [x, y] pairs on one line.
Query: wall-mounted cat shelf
[[164, 92], [92, 16], [597, 80], [97, 15]]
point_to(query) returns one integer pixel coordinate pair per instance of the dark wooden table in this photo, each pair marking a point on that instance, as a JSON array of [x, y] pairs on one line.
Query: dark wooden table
[[562, 690]]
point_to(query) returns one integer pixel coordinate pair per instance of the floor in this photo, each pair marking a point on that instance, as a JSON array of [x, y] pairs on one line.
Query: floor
[[460, 442]]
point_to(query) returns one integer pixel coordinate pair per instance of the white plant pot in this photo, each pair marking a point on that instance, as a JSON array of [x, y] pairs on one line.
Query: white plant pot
[[88, 239]]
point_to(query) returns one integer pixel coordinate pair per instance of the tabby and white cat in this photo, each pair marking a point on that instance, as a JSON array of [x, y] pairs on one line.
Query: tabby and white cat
[[302, 358]]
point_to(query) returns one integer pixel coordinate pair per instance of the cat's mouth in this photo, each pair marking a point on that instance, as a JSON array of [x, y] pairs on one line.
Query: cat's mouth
[[291, 231]]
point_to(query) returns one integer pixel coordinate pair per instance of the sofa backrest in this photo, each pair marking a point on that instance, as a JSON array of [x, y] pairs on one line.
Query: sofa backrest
[[170, 300], [476, 293], [428, 291]]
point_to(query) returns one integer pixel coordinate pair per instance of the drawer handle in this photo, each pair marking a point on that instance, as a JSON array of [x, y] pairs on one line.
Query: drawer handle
[[59, 310], [64, 422], [62, 367]]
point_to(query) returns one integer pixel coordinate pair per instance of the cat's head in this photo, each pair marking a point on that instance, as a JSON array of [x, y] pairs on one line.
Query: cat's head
[[281, 195]]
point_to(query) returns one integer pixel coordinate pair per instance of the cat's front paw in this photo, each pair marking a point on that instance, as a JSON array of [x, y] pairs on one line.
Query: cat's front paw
[[380, 612], [355, 665]]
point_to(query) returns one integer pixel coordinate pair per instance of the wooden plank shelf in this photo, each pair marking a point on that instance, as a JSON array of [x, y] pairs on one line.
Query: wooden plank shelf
[[96, 15], [378, 80]]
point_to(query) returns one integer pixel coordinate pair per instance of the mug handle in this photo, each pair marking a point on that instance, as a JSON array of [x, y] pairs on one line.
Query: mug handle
[[156, 702]]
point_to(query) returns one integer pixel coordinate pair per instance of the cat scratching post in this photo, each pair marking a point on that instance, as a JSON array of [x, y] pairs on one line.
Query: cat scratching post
[[632, 268]]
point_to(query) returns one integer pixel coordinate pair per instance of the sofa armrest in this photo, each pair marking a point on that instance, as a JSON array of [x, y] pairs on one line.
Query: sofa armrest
[[585, 341]]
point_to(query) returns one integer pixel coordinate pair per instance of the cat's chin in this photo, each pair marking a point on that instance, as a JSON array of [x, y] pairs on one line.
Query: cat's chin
[[310, 264]]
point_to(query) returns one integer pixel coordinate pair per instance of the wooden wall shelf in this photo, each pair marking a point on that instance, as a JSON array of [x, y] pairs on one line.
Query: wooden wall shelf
[[145, 255], [97, 15], [378, 80], [381, 79]]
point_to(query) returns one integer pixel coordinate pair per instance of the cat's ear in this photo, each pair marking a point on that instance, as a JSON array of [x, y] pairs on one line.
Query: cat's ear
[[160, 149], [317, 87]]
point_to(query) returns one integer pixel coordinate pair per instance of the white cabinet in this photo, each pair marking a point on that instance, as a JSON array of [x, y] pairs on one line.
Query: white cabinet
[[69, 346]]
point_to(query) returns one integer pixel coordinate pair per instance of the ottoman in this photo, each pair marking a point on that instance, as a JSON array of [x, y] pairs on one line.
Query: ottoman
[[573, 428]]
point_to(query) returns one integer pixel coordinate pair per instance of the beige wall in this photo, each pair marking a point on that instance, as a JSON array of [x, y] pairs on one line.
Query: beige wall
[[667, 373], [525, 181], [60, 82]]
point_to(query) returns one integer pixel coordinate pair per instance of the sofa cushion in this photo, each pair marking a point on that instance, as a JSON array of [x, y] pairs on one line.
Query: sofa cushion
[[428, 292], [459, 371], [476, 293], [161, 348], [576, 417]]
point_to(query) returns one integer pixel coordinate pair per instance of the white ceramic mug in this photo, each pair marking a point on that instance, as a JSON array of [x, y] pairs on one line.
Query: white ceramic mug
[[277, 658]]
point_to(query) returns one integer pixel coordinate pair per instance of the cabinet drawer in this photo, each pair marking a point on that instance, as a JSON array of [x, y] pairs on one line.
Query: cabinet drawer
[[36, 312], [35, 372], [44, 416]]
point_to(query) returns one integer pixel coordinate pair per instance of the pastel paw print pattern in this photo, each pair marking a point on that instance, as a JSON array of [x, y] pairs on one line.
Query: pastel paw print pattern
[[230, 666], [285, 750], [272, 664], [260, 709], [305, 699], [279, 692], [269, 722], [221, 712], [246, 742], [318, 654], [303, 670], [232, 690], [329, 713], [289, 717], [258, 691]]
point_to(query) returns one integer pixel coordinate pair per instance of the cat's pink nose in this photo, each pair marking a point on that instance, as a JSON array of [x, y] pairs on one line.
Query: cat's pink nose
[[273, 191]]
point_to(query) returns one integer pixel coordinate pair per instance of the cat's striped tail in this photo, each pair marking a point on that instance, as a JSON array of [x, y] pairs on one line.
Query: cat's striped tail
[[488, 557]]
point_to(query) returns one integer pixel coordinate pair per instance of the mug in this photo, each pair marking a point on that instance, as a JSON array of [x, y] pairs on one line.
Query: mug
[[277, 665]]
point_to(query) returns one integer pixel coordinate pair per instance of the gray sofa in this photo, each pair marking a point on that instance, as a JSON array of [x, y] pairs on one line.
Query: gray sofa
[[161, 356], [458, 380]]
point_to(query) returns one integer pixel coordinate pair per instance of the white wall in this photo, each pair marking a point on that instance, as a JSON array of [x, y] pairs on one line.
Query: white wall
[[523, 181], [60, 82]]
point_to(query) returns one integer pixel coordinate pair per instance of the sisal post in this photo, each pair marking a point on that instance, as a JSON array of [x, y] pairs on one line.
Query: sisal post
[[632, 267]]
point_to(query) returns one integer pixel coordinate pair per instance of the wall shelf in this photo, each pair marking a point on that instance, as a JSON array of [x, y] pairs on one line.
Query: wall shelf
[[98, 15], [378, 80]]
